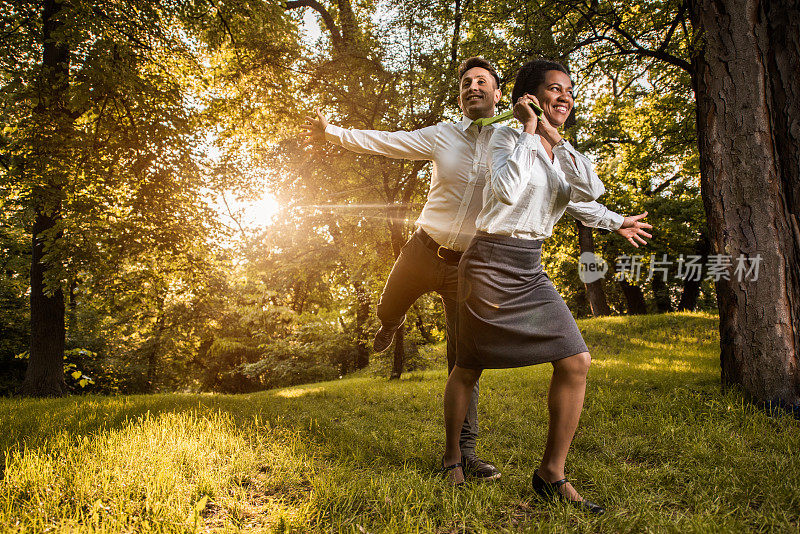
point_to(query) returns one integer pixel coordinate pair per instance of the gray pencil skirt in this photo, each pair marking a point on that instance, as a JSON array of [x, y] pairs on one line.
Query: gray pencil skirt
[[509, 312]]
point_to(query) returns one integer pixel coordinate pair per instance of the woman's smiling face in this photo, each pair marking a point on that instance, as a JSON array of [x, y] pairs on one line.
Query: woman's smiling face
[[555, 97]]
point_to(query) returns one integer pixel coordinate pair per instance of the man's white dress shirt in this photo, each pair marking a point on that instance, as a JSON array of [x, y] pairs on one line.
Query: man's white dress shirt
[[460, 156]]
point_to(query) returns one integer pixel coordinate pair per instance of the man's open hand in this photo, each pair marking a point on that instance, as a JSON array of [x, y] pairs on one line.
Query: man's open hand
[[633, 229], [316, 128]]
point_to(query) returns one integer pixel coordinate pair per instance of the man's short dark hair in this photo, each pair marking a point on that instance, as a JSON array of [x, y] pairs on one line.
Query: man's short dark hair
[[531, 76], [477, 61]]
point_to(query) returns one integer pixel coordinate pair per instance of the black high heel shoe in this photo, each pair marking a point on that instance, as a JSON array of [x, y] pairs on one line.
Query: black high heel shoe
[[549, 491], [454, 474]]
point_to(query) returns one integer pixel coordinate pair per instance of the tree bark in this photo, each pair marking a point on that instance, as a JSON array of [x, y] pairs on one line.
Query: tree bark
[[691, 288], [399, 359], [634, 299], [72, 313], [362, 316], [748, 108], [45, 374], [424, 329], [661, 294], [397, 237], [154, 350], [594, 290], [299, 296]]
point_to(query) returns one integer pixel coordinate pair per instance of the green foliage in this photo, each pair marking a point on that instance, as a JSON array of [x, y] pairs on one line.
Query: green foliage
[[75, 369], [168, 106], [646, 138], [14, 284], [317, 350], [638, 120]]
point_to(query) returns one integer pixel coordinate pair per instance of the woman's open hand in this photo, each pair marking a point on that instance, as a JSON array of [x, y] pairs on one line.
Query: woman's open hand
[[633, 228]]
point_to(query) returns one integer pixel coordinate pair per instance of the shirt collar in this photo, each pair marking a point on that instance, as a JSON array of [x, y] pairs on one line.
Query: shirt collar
[[466, 122], [555, 163]]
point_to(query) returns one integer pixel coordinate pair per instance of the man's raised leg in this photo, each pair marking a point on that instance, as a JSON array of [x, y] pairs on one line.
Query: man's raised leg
[[413, 274]]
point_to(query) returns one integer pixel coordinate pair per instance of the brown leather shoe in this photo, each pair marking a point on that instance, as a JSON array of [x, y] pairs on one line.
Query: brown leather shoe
[[478, 469]]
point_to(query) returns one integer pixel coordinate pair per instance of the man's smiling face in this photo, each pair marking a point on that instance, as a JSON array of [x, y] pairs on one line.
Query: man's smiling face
[[478, 93]]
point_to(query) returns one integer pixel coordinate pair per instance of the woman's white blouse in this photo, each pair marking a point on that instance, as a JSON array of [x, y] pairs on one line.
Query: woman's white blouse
[[527, 193]]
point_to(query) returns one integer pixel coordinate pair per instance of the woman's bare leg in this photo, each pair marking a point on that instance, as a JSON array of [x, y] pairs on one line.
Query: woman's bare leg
[[457, 394], [564, 402]]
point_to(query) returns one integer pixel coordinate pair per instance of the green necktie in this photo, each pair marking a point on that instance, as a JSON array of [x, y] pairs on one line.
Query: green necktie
[[483, 121]]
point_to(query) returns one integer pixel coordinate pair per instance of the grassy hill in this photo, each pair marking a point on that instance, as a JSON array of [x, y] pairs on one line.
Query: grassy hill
[[658, 444]]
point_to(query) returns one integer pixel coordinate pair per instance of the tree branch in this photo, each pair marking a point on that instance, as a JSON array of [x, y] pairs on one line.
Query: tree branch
[[456, 31], [635, 47], [336, 35], [228, 31], [347, 23], [663, 185], [677, 20], [230, 214]]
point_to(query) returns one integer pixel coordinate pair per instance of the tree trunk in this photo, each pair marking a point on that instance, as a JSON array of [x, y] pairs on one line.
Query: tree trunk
[[362, 317], [299, 296], [155, 350], [689, 296], [691, 288], [424, 330], [634, 299], [748, 107], [399, 353], [397, 237], [594, 290], [661, 293], [72, 311], [45, 374], [362, 305]]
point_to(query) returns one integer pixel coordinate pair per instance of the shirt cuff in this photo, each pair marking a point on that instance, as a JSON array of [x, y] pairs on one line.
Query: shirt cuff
[[615, 220], [527, 140], [333, 134]]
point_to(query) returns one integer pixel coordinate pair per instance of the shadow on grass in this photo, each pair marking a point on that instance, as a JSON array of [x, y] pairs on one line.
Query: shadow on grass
[[652, 353]]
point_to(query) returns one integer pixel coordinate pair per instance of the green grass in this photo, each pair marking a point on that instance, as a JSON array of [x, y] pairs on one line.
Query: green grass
[[658, 444]]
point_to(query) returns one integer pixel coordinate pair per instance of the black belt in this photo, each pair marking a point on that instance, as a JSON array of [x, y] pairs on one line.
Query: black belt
[[448, 255]]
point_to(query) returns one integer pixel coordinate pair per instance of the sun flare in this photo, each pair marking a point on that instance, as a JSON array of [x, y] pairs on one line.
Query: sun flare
[[261, 212]]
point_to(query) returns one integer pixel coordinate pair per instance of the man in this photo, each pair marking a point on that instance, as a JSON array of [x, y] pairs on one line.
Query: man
[[429, 260]]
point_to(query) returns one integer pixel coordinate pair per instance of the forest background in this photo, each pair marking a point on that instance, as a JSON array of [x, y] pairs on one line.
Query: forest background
[[189, 242]]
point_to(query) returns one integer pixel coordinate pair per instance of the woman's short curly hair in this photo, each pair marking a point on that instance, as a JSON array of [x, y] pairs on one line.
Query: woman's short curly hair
[[531, 75]]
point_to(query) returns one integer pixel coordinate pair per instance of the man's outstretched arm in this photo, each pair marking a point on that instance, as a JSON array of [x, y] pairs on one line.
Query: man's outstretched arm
[[417, 144], [596, 215]]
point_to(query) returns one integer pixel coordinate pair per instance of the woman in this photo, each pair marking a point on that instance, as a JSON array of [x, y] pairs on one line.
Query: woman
[[510, 314]]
